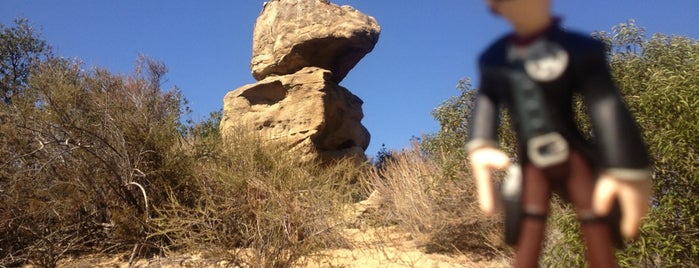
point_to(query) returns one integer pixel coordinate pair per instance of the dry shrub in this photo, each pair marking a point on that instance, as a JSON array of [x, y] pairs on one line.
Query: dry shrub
[[83, 155], [261, 205], [93, 162], [440, 210]]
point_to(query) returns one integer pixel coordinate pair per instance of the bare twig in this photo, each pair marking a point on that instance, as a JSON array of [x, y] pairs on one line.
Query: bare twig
[[145, 196], [133, 255]]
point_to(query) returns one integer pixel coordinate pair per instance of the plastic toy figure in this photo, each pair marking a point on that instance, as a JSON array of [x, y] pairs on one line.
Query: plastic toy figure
[[534, 73]]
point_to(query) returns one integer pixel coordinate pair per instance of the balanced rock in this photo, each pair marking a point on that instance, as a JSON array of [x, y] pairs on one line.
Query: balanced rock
[[306, 110], [302, 49], [292, 34]]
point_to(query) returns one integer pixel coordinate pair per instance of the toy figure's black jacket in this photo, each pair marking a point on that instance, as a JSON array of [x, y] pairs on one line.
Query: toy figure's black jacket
[[617, 144]]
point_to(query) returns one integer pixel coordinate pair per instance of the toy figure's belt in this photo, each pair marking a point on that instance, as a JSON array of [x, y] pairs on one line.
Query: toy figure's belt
[[547, 150]]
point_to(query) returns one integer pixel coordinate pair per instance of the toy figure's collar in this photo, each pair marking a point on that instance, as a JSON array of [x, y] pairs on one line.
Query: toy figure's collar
[[526, 40]]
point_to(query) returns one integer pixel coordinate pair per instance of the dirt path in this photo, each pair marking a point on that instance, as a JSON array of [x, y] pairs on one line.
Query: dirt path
[[372, 247], [369, 247], [387, 247]]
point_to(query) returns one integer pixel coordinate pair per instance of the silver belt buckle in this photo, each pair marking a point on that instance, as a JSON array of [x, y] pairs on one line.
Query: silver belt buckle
[[547, 150]]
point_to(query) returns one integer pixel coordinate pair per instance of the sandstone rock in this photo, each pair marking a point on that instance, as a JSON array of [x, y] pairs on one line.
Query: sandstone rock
[[302, 49], [306, 110], [292, 34]]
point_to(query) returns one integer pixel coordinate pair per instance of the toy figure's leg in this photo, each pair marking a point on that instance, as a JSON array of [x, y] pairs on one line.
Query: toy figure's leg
[[596, 233], [535, 202]]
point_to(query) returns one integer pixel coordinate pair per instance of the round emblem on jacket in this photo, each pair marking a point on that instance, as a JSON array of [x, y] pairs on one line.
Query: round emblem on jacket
[[545, 61]]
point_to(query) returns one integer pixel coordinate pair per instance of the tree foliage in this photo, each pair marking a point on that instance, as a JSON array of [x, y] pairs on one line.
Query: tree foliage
[[660, 79], [448, 146], [452, 116], [21, 47]]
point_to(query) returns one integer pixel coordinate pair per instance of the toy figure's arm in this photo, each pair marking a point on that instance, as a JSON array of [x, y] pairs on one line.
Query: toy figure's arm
[[625, 172], [632, 195], [484, 157], [483, 161]]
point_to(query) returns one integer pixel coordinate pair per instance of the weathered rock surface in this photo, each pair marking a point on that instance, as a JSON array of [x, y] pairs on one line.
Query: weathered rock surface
[[306, 110], [302, 49], [292, 34]]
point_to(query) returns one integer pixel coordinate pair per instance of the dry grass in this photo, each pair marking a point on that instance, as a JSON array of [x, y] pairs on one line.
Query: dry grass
[[264, 200], [102, 165], [437, 209], [252, 204]]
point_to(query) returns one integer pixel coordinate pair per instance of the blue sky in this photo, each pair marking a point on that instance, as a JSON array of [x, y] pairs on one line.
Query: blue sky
[[425, 46]]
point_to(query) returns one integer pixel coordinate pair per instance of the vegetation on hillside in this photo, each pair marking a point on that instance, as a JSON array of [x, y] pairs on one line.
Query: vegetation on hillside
[[659, 78], [92, 162], [95, 162]]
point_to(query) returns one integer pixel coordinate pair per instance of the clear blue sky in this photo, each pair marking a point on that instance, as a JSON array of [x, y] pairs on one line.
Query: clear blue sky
[[425, 46]]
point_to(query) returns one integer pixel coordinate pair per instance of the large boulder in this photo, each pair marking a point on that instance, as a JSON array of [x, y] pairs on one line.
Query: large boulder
[[306, 110], [292, 34], [302, 49]]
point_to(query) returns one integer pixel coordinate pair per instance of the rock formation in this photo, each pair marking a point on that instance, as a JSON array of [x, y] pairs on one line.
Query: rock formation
[[302, 49], [292, 34]]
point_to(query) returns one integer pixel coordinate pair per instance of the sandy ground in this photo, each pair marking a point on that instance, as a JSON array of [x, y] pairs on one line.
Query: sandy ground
[[369, 247], [373, 247], [389, 248]]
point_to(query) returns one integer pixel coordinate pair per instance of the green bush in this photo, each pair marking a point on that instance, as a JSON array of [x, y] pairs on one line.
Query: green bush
[[658, 77], [659, 81]]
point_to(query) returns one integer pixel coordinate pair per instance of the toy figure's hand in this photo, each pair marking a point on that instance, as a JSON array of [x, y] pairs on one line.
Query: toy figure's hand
[[633, 198], [483, 162]]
